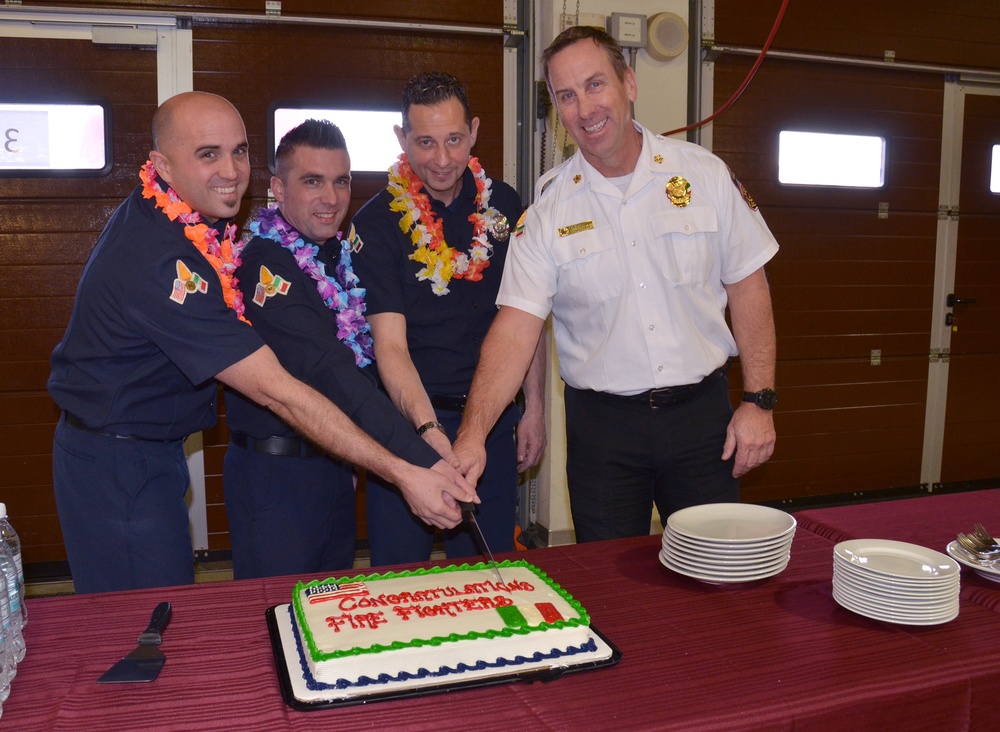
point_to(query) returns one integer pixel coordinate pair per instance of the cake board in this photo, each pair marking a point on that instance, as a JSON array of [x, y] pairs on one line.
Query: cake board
[[297, 695]]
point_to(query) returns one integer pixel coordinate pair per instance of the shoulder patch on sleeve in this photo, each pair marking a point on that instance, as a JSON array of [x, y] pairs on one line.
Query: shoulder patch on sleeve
[[187, 281], [354, 240], [743, 191], [519, 229], [269, 285]]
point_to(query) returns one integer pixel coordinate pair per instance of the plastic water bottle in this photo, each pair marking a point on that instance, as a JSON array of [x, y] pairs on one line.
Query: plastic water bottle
[[10, 536], [8, 575], [7, 667]]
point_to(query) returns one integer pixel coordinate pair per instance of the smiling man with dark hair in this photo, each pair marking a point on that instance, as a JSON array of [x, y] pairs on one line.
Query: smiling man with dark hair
[[291, 507], [434, 245]]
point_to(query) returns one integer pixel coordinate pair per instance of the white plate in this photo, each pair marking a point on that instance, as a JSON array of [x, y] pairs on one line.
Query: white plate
[[902, 603], [895, 611], [731, 522], [906, 594], [714, 579], [708, 568], [890, 617], [726, 548], [727, 561], [918, 585], [990, 573], [896, 559]]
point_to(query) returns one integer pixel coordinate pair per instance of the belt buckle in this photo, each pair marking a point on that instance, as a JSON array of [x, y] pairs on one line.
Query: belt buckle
[[654, 393], [669, 396]]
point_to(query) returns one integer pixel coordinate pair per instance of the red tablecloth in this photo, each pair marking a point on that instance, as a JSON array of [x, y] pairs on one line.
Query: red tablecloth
[[778, 654]]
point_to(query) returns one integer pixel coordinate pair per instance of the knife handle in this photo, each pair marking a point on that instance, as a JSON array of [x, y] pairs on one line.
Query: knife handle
[[157, 622]]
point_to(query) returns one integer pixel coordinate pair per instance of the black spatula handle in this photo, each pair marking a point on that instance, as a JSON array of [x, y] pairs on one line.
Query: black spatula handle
[[157, 622]]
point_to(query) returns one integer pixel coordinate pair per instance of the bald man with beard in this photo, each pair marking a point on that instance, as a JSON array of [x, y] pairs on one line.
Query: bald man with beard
[[158, 319]]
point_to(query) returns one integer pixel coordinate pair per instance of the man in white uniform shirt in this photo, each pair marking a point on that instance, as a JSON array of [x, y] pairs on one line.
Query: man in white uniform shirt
[[636, 246]]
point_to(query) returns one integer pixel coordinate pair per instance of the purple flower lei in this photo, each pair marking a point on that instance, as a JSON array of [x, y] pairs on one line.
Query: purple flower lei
[[341, 293]]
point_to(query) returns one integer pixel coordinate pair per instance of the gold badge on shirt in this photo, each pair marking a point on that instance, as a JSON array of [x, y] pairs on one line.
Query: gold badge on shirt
[[679, 191], [187, 281], [575, 228], [269, 286], [499, 227]]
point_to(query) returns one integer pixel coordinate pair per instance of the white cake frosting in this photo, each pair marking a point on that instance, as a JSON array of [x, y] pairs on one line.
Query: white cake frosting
[[434, 623]]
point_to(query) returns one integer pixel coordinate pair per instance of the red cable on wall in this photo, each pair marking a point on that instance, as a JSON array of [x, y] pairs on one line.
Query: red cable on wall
[[746, 81]]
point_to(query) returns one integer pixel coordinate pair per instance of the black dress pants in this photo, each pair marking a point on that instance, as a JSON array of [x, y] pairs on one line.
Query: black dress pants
[[623, 455]]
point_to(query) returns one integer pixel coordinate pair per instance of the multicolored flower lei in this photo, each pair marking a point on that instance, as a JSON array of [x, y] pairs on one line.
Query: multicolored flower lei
[[224, 257], [442, 262], [340, 293]]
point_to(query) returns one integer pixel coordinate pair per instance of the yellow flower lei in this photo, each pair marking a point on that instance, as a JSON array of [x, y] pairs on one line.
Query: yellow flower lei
[[443, 263]]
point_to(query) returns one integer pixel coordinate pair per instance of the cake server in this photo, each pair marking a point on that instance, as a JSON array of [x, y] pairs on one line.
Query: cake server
[[469, 514], [145, 662]]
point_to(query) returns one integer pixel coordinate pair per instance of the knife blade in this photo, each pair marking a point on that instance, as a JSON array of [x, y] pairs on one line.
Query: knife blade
[[145, 662], [469, 514]]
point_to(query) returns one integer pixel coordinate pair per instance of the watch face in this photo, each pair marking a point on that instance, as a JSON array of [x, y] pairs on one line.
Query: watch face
[[767, 398]]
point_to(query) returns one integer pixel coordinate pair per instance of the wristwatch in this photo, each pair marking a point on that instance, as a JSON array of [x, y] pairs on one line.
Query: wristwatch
[[765, 398]]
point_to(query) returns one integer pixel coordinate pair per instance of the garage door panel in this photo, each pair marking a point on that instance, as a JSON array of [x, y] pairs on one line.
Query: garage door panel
[[846, 283]]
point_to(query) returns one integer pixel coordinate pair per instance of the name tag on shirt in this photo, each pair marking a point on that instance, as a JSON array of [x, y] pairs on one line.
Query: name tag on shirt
[[575, 228]]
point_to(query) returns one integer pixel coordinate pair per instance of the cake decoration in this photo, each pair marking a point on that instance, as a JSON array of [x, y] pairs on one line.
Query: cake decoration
[[420, 628]]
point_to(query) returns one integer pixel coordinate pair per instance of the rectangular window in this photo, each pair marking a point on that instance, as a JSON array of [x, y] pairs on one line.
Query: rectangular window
[[825, 159], [55, 139], [370, 138], [995, 171]]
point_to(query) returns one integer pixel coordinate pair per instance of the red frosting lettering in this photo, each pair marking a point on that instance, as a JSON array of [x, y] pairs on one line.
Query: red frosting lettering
[[356, 622]]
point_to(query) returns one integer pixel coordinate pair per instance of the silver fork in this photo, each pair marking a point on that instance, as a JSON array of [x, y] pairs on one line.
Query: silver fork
[[975, 545], [983, 534]]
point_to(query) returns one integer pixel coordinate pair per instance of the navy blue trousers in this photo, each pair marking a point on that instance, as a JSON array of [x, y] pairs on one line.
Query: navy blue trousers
[[395, 535], [288, 515], [622, 456], [122, 510]]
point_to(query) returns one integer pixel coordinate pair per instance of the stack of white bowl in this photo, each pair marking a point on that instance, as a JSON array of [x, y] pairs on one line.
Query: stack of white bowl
[[727, 542], [895, 581]]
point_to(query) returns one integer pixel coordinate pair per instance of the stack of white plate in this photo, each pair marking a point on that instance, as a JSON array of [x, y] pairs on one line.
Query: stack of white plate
[[895, 581], [727, 542]]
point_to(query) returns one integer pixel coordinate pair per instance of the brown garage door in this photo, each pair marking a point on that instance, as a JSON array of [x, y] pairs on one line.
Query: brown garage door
[[852, 290], [48, 227], [972, 418]]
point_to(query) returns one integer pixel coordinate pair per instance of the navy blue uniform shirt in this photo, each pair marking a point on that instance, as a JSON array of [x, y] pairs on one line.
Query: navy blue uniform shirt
[[444, 332], [302, 331], [134, 361]]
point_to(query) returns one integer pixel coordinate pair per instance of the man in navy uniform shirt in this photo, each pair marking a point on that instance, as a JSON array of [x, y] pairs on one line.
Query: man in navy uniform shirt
[[157, 319], [434, 246], [290, 506]]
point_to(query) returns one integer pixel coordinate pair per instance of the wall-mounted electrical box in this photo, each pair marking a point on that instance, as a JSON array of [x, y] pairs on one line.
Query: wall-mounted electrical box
[[629, 29]]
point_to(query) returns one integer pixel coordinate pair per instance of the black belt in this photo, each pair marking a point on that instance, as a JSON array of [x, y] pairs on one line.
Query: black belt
[[445, 401], [668, 396], [76, 423], [275, 445]]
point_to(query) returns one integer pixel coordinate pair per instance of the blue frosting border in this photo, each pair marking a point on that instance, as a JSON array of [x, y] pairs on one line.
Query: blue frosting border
[[312, 684]]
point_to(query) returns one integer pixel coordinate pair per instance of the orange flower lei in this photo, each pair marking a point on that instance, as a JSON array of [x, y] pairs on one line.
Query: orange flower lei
[[224, 257], [441, 262]]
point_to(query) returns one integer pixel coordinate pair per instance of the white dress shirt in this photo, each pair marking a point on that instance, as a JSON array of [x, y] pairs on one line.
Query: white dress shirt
[[634, 280]]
